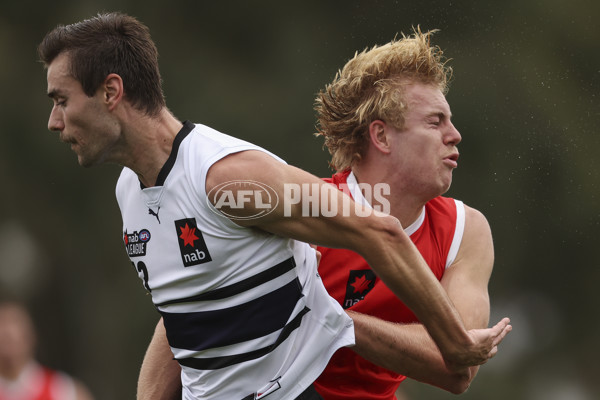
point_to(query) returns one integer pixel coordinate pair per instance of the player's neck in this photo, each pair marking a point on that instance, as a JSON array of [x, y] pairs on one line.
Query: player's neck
[[150, 144], [404, 204]]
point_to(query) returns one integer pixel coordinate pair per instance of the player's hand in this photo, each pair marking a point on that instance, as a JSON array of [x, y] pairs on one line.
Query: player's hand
[[483, 347]]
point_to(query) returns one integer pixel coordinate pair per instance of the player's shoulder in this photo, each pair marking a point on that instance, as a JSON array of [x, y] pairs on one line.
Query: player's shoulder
[[127, 173], [476, 218], [448, 205], [210, 138], [126, 178]]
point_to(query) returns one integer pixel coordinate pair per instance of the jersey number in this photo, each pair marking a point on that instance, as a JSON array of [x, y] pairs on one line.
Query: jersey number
[[141, 267]]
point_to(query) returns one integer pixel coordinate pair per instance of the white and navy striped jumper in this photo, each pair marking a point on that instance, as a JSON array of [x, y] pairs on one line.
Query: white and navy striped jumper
[[246, 313]]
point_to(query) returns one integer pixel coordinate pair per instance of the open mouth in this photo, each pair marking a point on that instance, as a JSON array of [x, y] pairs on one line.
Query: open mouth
[[452, 160], [453, 157]]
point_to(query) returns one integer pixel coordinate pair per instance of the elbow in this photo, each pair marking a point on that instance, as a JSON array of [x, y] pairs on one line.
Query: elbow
[[451, 382], [391, 230], [391, 225], [459, 387], [455, 382], [378, 234], [458, 383]]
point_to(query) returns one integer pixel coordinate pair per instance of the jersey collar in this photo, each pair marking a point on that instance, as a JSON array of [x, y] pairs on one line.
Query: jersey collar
[[359, 198], [168, 166]]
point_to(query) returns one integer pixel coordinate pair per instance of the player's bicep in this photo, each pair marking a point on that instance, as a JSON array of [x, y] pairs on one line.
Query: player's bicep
[[466, 280], [300, 201], [469, 296]]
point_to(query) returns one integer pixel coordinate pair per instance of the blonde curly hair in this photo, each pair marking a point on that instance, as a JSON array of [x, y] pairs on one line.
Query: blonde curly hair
[[368, 88]]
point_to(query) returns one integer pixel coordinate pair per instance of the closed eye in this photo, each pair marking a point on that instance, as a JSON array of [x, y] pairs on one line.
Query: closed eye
[[434, 121]]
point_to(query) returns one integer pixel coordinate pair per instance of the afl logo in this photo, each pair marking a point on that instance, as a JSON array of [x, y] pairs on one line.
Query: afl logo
[[257, 198], [144, 235], [136, 243]]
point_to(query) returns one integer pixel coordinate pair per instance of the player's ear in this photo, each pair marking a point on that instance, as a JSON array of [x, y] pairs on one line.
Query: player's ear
[[113, 90], [378, 135]]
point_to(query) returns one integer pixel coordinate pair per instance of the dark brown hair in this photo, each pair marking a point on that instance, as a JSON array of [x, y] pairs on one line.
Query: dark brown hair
[[110, 43]]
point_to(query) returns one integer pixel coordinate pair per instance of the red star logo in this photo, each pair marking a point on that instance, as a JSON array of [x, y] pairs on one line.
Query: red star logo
[[360, 284], [188, 235], [125, 238]]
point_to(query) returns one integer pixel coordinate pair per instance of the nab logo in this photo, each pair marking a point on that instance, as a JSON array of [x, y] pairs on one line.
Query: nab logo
[[360, 282], [136, 242], [191, 243], [258, 197]]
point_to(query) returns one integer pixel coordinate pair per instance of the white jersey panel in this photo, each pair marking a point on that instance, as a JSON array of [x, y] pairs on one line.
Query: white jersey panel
[[245, 311], [458, 232]]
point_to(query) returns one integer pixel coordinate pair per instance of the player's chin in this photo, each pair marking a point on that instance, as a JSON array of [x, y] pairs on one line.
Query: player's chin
[[85, 162]]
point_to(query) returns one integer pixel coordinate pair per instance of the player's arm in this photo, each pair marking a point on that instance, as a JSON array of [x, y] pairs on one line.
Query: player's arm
[[408, 349], [160, 375], [378, 238]]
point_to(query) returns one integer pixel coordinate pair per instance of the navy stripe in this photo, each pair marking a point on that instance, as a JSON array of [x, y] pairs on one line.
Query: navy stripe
[[251, 320], [239, 287], [168, 166], [226, 361]]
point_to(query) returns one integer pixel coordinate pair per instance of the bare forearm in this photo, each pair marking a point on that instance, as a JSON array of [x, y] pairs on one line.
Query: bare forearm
[[408, 276], [407, 350], [160, 374]]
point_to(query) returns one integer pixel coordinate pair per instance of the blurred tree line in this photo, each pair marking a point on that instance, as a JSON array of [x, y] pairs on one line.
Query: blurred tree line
[[524, 97]]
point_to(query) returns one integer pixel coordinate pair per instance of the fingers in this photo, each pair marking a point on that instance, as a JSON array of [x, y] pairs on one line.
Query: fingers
[[502, 335], [490, 338], [502, 324], [501, 329], [485, 344]]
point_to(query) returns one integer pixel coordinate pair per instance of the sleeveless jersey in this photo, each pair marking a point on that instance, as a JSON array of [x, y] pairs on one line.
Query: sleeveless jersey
[[437, 233], [246, 313], [38, 383]]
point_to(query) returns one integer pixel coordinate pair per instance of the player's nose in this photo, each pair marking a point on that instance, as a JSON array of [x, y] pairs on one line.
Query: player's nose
[[55, 121], [452, 135]]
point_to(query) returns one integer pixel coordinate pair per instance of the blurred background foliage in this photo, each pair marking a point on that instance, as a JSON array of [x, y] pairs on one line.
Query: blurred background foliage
[[524, 96]]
